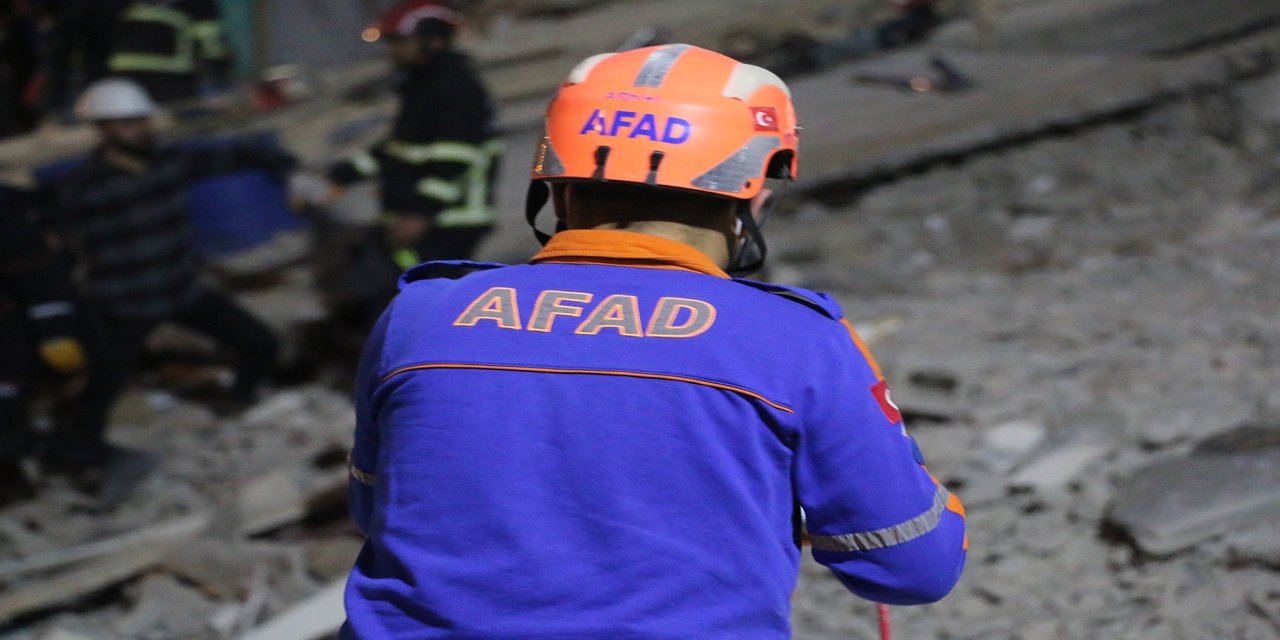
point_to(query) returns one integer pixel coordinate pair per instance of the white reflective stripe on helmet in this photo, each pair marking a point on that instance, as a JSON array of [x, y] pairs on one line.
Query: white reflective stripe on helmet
[[580, 72], [746, 79]]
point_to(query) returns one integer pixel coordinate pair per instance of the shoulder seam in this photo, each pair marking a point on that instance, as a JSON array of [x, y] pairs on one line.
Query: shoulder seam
[[792, 295]]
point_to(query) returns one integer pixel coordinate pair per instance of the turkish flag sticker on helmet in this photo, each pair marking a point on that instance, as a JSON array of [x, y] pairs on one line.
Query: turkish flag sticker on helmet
[[766, 118], [891, 411]]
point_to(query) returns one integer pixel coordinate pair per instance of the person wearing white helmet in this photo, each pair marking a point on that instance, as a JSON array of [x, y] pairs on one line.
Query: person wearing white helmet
[[122, 111], [125, 215]]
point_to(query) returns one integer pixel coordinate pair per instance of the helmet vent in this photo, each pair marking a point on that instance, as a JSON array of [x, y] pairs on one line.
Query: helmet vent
[[602, 156], [655, 159]]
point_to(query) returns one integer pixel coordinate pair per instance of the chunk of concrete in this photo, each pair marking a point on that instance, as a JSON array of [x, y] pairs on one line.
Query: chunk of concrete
[[165, 608], [1016, 437], [1058, 466], [1174, 504]]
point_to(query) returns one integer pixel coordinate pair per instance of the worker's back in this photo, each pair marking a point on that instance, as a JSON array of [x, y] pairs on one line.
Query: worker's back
[[593, 451]]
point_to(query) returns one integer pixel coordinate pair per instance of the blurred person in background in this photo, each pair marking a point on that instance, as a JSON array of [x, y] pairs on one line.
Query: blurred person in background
[[125, 215], [38, 326], [77, 43], [436, 170], [175, 49]]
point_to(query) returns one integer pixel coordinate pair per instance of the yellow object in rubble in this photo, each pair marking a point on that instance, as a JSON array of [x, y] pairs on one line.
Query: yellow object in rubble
[[64, 355]]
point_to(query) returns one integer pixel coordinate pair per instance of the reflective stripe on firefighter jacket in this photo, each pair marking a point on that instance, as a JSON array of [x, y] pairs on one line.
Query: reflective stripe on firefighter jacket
[[614, 441], [461, 194], [167, 39]]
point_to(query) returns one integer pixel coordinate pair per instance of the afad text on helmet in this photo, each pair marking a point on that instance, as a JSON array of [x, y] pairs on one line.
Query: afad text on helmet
[[632, 124], [630, 96]]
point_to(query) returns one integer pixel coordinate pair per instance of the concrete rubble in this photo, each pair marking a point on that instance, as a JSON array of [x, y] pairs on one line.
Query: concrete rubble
[[1068, 273]]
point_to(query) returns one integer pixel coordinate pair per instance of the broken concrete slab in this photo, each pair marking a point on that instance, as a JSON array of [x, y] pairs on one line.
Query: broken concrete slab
[[163, 607], [1113, 26], [84, 579], [1175, 504], [178, 529], [317, 616], [1014, 96], [285, 496]]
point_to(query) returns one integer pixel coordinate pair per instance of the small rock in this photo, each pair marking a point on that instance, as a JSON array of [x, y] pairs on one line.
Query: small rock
[[1059, 466], [1015, 438]]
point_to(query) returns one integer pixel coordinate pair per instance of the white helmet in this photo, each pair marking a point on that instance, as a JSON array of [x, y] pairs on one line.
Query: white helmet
[[115, 99]]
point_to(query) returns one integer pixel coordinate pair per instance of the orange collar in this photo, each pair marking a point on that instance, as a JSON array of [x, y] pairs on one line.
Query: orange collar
[[624, 249]]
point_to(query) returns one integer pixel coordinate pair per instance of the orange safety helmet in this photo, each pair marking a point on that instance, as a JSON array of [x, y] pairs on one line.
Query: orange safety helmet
[[673, 116]]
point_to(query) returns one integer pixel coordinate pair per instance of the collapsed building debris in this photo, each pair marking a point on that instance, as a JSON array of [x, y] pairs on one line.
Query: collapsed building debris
[[1068, 272]]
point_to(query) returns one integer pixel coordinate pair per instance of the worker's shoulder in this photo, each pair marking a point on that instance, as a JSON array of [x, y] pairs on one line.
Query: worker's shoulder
[[801, 298], [439, 270]]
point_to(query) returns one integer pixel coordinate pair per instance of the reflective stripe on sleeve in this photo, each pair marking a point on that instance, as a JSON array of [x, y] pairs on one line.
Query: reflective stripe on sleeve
[[182, 61], [888, 536], [359, 475], [442, 190], [366, 164]]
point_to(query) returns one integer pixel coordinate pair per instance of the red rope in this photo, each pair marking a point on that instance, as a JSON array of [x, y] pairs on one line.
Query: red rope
[[883, 612]]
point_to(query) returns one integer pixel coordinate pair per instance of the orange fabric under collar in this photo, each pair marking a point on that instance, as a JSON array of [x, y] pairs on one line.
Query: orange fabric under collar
[[624, 249]]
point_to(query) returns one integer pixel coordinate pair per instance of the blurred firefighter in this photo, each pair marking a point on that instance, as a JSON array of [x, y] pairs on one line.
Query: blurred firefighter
[[124, 211], [38, 325], [436, 171], [174, 48], [616, 440]]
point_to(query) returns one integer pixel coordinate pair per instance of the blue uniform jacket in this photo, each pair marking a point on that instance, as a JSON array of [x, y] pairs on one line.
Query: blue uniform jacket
[[613, 442]]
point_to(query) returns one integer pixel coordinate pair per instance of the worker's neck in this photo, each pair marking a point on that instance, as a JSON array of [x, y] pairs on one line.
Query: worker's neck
[[714, 244]]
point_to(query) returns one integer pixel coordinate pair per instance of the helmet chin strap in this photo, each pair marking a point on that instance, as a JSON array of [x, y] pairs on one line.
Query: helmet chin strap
[[750, 250], [534, 201]]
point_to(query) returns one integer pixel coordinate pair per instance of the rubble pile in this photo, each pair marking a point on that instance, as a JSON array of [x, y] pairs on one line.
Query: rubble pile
[[1068, 270], [210, 545], [1083, 339]]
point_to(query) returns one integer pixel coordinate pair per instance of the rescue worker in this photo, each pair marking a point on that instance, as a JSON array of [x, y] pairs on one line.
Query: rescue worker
[[436, 171], [37, 322], [173, 48], [616, 440], [125, 213]]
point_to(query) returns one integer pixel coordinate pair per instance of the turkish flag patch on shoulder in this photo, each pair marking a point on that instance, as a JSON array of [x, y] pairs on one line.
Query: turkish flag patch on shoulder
[[881, 391]]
